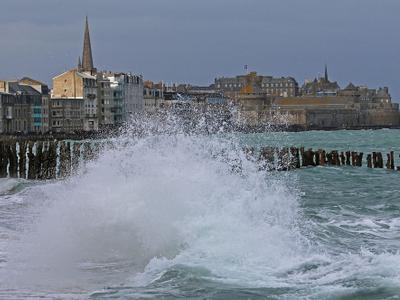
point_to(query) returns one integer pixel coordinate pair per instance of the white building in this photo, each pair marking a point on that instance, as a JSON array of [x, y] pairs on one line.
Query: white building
[[127, 94]]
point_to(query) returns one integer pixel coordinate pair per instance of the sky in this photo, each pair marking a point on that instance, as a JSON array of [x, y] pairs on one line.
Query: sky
[[194, 41]]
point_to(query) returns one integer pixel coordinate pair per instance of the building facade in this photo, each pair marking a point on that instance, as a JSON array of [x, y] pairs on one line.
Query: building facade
[[320, 87], [41, 110], [25, 106], [16, 114], [78, 85], [105, 106], [153, 94], [67, 115], [127, 91], [253, 83]]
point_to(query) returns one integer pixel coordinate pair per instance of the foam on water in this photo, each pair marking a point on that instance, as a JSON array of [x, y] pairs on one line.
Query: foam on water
[[152, 204], [166, 197]]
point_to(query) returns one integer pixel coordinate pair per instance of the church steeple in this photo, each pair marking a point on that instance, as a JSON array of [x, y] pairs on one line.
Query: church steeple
[[87, 59], [79, 64], [326, 73]]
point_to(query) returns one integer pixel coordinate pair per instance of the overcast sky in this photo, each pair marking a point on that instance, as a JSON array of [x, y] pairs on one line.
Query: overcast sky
[[194, 41]]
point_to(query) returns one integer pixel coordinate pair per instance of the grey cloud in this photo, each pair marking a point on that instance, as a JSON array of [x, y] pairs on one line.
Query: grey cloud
[[194, 41]]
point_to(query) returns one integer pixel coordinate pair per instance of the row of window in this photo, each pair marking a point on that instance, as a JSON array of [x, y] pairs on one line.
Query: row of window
[[239, 85], [89, 82], [286, 84], [274, 91], [68, 122]]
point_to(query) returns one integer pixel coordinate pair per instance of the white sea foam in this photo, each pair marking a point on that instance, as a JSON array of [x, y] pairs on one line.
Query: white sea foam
[[165, 197], [149, 204]]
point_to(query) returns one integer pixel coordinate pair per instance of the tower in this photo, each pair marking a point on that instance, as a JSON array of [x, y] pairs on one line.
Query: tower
[[326, 74], [87, 58], [79, 64]]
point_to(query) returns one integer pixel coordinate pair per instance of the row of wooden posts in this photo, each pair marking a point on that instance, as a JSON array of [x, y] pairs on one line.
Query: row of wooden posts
[[44, 160], [296, 158], [59, 159]]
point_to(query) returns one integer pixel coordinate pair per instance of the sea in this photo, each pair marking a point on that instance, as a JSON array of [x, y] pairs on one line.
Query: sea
[[190, 216]]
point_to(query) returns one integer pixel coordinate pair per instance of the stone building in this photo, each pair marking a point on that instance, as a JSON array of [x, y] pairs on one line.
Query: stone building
[[105, 107], [317, 112], [16, 112], [8, 124], [127, 91], [256, 84], [365, 94], [133, 94], [41, 111], [67, 115], [16, 116], [79, 86], [153, 94], [30, 92], [320, 87], [17, 104]]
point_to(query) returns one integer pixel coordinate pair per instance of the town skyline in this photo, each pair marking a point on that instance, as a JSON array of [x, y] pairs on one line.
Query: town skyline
[[199, 60]]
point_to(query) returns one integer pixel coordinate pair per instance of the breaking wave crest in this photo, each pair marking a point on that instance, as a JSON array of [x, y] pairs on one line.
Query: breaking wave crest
[[161, 203], [182, 198]]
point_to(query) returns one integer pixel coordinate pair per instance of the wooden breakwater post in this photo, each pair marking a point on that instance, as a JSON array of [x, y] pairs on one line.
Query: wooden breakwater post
[[379, 158], [65, 160], [12, 159], [359, 159], [76, 157], [31, 162], [308, 157], [44, 162], [342, 158], [390, 160], [294, 158], [322, 157], [39, 164], [369, 160], [335, 158], [52, 161], [87, 154], [22, 160], [283, 159], [3, 160], [398, 168], [353, 158], [348, 155], [267, 158]]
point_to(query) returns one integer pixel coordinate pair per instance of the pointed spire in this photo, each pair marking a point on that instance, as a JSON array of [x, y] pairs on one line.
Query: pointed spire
[[326, 73], [87, 59]]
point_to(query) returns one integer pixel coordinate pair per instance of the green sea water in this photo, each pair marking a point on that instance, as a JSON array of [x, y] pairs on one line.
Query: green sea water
[[165, 217]]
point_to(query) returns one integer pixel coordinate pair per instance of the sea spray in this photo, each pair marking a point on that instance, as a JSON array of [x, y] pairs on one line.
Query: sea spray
[[160, 196], [166, 214]]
